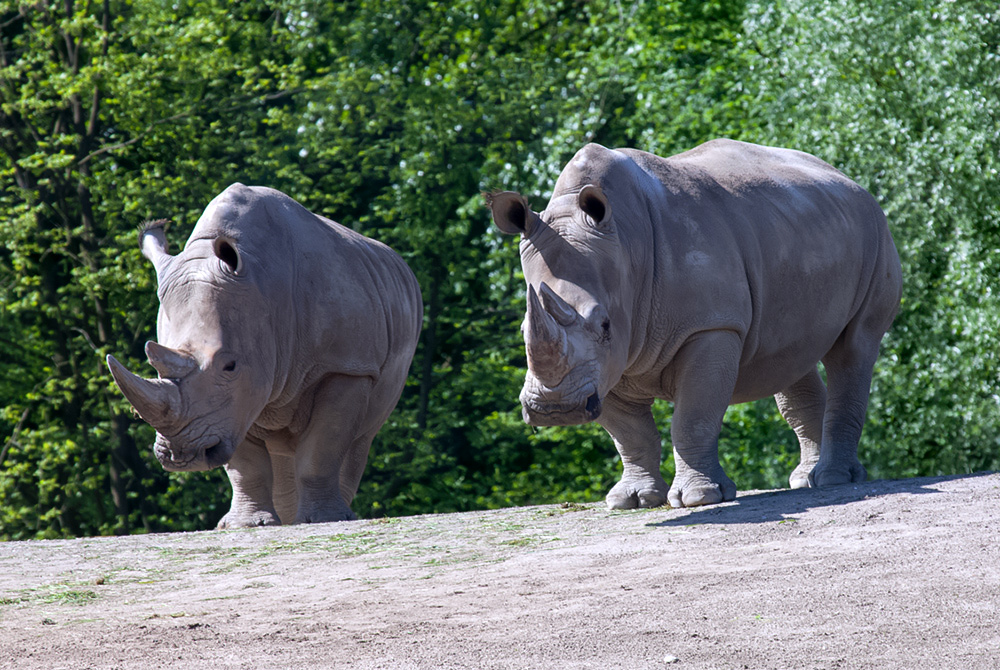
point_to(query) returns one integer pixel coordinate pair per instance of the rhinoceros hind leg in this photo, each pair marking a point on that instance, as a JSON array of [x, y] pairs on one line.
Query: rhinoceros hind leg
[[249, 472], [633, 429], [849, 374], [802, 405], [284, 491]]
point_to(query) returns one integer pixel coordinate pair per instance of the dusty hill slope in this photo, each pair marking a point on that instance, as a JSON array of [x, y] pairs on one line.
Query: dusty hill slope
[[888, 574]]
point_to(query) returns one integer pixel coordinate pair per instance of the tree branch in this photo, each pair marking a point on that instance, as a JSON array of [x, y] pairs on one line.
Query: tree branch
[[11, 440], [121, 145], [269, 97]]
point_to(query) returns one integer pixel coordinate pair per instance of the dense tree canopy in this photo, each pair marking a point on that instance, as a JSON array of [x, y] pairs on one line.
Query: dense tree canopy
[[392, 117]]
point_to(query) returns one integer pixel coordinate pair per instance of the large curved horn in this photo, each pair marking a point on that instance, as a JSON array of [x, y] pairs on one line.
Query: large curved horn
[[556, 306], [170, 363], [156, 400], [544, 340]]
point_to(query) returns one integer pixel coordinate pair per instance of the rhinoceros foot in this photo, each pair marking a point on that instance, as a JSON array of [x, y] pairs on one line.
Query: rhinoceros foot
[[831, 472], [799, 479], [637, 491], [691, 489], [249, 520], [325, 512]]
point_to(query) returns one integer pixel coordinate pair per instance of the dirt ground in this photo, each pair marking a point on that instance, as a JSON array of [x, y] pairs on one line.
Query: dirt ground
[[886, 574]]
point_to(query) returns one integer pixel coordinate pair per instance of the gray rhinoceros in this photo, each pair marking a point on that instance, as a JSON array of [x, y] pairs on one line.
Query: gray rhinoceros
[[284, 341], [718, 276]]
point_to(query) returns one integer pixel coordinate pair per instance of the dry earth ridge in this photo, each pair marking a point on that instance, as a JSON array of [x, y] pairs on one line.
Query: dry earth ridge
[[885, 574]]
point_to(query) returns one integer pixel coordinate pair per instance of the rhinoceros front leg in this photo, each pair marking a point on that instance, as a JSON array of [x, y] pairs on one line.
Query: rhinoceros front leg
[[633, 429], [704, 376], [802, 405], [249, 472], [333, 448]]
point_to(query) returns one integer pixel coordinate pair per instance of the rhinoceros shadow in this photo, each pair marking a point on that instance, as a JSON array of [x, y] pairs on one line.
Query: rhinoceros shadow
[[770, 506]]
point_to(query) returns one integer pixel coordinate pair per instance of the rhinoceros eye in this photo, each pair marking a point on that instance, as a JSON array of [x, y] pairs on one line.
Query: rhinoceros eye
[[605, 330], [230, 366]]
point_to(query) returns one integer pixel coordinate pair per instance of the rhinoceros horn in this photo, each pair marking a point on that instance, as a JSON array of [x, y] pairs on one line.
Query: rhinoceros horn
[[544, 340], [170, 363], [156, 400], [556, 306]]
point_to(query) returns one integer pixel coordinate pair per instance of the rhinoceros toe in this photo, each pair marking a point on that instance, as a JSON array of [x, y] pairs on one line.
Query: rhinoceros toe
[[325, 512], [249, 520], [832, 473], [697, 489], [799, 479], [637, 493]]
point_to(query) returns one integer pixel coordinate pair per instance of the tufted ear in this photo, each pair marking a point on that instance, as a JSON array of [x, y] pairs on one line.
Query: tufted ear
[[595, 205], [228, 255], [153, 242], [511, 212]]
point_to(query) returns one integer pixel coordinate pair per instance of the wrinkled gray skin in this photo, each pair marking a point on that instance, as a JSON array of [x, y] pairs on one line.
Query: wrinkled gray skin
[[717, 276], [284, 341]]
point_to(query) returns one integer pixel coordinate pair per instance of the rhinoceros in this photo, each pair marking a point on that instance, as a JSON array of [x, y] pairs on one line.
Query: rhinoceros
[[717, 276], [283, 343]]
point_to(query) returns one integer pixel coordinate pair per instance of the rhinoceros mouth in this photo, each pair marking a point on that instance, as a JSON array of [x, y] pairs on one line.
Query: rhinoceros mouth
[[191, 458], [537, 413], [216, 455]]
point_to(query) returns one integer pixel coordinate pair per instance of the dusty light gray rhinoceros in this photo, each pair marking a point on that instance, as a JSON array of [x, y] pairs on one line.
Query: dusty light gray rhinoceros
[[284, 341], [717, 276]]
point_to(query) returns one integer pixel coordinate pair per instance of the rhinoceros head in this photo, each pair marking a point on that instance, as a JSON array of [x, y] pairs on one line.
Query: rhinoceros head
[[215, 356], [576, 331]]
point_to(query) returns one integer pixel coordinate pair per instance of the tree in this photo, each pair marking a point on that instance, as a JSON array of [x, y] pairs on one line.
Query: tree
[[900, 96], [392, 118], [110, 114]]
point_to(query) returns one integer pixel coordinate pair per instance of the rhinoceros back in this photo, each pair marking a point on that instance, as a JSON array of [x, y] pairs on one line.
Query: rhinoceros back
[[784, 247]]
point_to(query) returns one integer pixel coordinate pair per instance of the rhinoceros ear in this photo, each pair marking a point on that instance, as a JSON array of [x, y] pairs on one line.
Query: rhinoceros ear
[[511, 212], [153, 242], [595, 205], [228, 255]]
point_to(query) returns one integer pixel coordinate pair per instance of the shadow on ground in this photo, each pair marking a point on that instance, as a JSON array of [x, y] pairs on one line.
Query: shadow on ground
[[772, 506]]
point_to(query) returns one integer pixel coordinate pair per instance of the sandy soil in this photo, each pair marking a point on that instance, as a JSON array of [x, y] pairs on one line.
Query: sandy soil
[[887, 574]]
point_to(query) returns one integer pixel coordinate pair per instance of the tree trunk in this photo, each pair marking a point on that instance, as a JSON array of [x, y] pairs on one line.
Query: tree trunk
[[430, 349]]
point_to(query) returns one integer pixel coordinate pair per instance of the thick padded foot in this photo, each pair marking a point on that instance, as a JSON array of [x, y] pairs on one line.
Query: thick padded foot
[[799, 479], [248, 520], [831, 473], [637, 492], [325, 513], [696, 489]]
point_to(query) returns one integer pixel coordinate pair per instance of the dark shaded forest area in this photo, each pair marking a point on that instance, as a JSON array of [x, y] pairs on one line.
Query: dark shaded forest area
[[392, 118]]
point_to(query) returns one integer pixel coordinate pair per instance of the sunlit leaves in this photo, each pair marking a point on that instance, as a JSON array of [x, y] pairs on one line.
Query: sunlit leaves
[[391, 118]]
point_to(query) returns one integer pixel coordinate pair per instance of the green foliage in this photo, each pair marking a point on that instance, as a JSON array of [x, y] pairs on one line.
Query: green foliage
[[392, 118], [107, 116], [902, 97]]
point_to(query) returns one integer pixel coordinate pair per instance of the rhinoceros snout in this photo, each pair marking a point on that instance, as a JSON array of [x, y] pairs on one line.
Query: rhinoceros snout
[[175, 458], [537, 413]]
